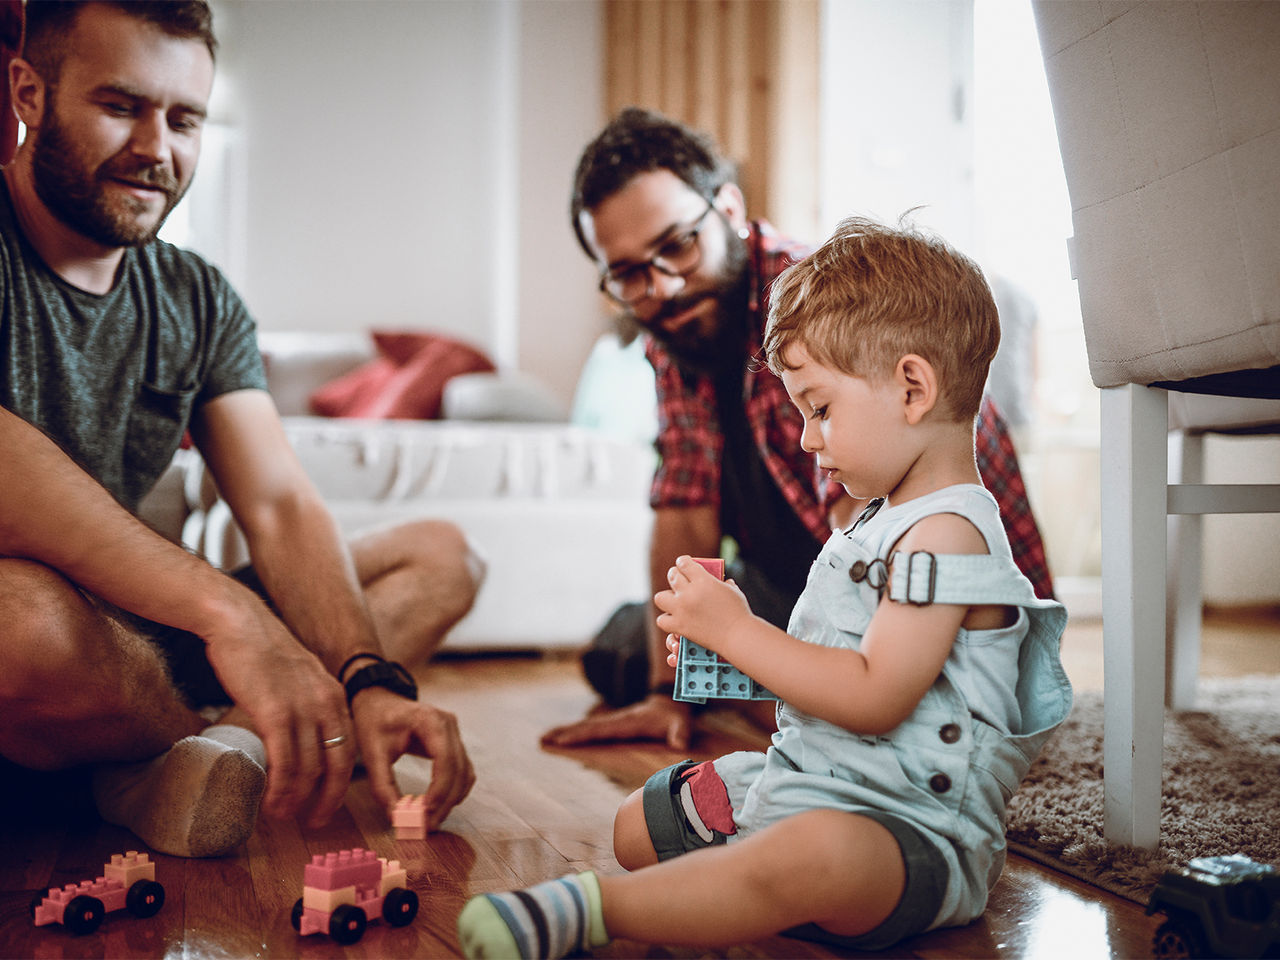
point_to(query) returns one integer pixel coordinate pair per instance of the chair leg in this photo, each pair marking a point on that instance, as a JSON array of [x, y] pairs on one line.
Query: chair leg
[[1185, 587], [1134, 467]]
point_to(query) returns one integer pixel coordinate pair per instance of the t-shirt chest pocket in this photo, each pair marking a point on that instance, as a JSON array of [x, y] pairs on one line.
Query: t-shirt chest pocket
[[157, 422]]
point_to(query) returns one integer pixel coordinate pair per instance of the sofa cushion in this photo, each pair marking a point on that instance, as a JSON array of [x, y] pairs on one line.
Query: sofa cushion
[[404, 382]]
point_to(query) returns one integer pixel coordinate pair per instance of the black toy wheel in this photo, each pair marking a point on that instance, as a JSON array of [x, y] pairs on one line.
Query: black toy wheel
[[400, 907], [295, 915], [347, 923], [1176, 938], [145, 898], [83, 914]]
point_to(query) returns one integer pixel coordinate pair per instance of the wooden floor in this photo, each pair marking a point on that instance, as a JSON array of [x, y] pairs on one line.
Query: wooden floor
[[533, 815]]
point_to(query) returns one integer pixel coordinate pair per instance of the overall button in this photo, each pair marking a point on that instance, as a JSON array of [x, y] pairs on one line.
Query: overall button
[[940, 783], [858, 572], [949, 733]]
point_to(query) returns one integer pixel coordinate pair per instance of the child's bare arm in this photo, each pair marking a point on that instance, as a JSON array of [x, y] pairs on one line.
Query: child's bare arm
[[871, 690]]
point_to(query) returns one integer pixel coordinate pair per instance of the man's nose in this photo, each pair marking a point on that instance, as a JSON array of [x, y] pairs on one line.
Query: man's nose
[[150, 137], [663, 286]]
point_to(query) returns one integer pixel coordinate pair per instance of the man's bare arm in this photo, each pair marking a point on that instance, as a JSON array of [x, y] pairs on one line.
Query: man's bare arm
[[306, 566]]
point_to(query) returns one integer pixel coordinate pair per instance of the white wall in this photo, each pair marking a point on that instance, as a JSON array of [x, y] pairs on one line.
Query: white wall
[[407, 164]]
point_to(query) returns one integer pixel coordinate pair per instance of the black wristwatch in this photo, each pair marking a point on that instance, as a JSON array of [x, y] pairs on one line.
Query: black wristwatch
[[382, 673]]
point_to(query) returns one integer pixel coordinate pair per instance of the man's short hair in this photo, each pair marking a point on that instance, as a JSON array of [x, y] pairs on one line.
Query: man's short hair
[[872, 294], [638, 141], [49, 22]]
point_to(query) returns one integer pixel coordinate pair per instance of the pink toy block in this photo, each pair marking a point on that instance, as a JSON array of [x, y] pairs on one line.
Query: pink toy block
[[327, 900], [346, 868], [409, 818]]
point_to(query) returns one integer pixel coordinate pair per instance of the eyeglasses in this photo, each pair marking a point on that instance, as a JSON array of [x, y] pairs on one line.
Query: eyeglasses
[[677, 257]]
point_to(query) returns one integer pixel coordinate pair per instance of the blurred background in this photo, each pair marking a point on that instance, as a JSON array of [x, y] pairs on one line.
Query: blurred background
[[407, 164]]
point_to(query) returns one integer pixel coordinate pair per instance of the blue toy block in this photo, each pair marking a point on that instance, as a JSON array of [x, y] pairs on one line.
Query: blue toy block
[[701, 674]]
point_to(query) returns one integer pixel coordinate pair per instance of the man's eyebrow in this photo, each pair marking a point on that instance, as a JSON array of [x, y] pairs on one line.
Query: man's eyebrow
[[138, 96], [657, 241]]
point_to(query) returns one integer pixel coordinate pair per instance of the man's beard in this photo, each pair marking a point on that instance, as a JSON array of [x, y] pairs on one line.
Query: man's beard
[[74, 194], [705, 346]]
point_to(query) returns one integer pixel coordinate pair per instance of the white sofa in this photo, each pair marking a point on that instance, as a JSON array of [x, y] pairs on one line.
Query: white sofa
[[559, 510]]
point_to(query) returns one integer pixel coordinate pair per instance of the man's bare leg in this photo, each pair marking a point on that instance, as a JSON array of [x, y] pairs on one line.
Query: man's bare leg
[[80, 687], [419, 579]]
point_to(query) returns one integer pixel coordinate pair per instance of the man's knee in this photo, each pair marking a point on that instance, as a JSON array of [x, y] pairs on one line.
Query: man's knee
[[45, 619], [450, 562]]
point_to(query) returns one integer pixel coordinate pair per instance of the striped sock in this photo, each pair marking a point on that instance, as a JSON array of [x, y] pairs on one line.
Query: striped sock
[[552, 919]]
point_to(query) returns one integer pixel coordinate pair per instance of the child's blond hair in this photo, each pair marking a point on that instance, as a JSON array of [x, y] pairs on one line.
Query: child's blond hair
[[872, 294]]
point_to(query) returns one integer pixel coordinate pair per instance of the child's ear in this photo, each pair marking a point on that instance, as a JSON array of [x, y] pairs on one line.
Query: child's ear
[[919, 382]]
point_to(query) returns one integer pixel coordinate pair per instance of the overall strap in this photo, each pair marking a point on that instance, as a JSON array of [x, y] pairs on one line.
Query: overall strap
[[922, 578]]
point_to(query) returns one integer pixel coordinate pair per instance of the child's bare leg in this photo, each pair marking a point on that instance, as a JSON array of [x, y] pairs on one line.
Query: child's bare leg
[[837, 869], [843, 871]]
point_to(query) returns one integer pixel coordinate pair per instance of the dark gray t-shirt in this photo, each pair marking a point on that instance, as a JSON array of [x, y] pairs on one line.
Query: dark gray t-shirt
[[114, 379]]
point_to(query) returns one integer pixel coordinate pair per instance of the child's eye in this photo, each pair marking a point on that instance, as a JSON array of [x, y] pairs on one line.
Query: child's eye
[[819, 413]]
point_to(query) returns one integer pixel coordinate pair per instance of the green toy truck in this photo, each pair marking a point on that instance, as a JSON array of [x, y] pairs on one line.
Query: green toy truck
[[1218, 907]]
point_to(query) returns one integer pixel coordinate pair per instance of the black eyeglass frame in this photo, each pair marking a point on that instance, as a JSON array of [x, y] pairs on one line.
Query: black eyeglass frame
[[690, 237]]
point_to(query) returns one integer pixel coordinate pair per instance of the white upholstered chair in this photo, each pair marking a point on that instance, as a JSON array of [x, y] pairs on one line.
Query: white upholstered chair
[[1168, 117]]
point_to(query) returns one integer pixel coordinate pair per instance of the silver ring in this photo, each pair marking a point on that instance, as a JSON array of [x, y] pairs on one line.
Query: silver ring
[[334, 741]]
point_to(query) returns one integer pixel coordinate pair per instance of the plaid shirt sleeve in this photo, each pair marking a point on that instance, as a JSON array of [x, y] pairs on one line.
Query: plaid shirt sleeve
[[998, 465], [689, 441]]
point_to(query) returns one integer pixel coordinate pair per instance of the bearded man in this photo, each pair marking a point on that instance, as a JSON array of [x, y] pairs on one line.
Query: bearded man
[[655, 206], [119, 646]]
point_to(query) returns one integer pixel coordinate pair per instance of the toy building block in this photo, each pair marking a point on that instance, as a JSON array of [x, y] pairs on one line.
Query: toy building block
[[343, 891], [128, 881], [701, 674], [409, 818]]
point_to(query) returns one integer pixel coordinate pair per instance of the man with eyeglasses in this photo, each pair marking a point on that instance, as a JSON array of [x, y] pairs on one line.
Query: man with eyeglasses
[[657, 208]]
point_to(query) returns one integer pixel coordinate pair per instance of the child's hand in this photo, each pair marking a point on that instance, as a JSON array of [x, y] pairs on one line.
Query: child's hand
[[698, 606]]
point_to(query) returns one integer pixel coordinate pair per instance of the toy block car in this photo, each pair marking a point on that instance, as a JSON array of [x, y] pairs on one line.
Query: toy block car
[[128, 881], [343, 891], [702, 674], [1218, 907]]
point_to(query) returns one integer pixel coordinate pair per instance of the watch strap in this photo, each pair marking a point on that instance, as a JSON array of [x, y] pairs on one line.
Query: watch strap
[[383, 673]]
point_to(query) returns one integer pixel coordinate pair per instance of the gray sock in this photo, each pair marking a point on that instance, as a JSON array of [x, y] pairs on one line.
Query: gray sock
[[241, 738], [197, 799]]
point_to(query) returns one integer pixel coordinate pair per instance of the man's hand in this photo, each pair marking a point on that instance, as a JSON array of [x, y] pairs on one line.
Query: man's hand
[[294, 705], [389, 726], [699, 606], [657, 717]]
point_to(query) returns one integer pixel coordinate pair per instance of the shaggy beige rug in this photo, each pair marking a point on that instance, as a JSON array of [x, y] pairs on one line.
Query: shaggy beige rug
[[1221, 789]]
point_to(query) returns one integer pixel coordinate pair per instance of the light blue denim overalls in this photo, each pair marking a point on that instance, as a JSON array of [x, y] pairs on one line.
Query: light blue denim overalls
[[952, 766]]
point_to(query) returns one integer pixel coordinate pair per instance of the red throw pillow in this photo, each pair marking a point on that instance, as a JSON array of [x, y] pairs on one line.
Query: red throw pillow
[[404, 382]]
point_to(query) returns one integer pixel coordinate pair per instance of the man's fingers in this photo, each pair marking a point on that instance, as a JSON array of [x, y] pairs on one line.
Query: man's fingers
[[451, 772], [338, 760], [382, 781]]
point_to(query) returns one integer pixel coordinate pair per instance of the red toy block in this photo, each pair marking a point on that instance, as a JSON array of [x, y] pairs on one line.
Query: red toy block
[[713, 566]]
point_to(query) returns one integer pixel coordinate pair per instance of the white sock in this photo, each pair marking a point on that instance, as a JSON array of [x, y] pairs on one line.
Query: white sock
[[197, 799]]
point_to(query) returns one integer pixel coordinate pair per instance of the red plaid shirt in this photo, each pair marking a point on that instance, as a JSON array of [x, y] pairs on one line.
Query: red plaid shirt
[[690, 443]]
